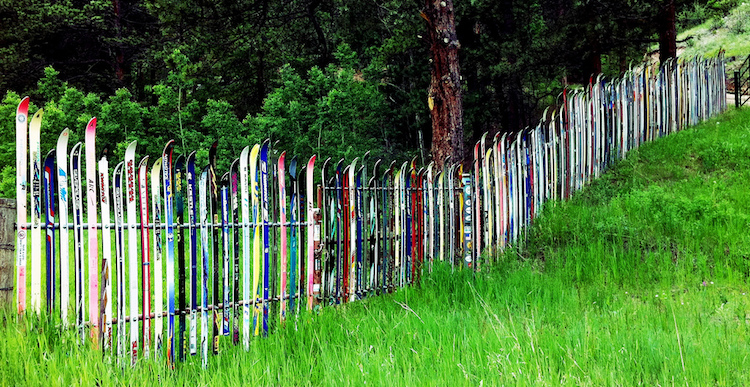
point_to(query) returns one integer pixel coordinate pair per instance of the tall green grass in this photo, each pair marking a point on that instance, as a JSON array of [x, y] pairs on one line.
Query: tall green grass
[[640, 279]]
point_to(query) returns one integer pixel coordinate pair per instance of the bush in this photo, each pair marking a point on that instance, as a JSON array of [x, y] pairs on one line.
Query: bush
[[738, 20], [693, 15]]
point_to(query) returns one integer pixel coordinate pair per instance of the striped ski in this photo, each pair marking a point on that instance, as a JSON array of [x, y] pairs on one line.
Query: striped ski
[[145, 256], [49, 216], [117, 181], [234, 215], [75, 183], [93, 251], [256, 238], [282, 221], [156, 236], [22, 138], [310, 232], [132, 247], [105, 296], [213, 211], [180, 292], [36, 211], [166, 171], [192, 227], [264, 202], [63, 200], [204, 220], [245, 210]]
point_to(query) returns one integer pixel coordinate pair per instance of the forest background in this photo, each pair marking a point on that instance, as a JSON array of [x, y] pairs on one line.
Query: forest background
[[329, 77]]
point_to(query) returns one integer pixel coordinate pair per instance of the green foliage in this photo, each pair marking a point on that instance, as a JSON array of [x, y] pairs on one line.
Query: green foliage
[[50, 87], [122, 120], [222, 124], [723, 7], [333, 112], [738, 20], [92, 43]]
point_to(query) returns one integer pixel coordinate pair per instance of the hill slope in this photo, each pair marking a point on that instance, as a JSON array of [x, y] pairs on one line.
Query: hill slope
[[640, 279]]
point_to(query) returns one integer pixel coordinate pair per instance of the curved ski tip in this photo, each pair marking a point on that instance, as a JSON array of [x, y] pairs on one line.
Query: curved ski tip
[[76, 147], [156, 168], [311, 161], [143, 162], [244, 153], [132, 145], [38, 115], [254, 151], [117, 168], [91, 125], [376, 167], [191, 156], [23, 106], [64, 135], [282, 157], [340, 163], [51, 153], [168, 146]]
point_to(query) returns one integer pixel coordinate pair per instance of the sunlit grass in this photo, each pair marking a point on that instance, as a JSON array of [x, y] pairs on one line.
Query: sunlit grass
[[640, 279]]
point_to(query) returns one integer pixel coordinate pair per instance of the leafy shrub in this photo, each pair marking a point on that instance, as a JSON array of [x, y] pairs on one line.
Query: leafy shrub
[[694, 15], [738, 20]]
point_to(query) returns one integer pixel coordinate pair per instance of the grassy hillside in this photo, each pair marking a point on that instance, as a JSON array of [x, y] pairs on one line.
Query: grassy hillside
[[640, 279], [730, 33]]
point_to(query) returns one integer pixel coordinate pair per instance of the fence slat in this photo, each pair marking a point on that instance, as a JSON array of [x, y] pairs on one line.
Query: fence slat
[[7, 248]]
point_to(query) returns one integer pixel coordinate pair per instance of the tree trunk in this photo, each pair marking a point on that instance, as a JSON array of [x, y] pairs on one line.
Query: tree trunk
[[444, 95], [667, 32]]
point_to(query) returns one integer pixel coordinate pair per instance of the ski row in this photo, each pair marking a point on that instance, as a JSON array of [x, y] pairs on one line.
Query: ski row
[[235, 254]]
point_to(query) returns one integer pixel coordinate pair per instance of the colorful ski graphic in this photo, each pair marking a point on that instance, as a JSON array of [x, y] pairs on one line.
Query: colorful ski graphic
[[156, 236], [105, 297], [49, 216], [93, 251], [145, 256], [22, 138], [130, 179], [36, 211], [63, 199], [166, 170]]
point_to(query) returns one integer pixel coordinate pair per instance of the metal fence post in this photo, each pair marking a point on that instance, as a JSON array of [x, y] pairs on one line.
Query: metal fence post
[[737, 88]]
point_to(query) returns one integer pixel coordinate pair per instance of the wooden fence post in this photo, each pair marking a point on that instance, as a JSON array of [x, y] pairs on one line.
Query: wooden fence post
[[7, 250]]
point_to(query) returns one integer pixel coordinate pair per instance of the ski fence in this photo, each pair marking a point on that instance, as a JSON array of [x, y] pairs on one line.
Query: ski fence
[[172, 257]]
